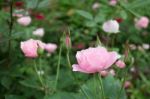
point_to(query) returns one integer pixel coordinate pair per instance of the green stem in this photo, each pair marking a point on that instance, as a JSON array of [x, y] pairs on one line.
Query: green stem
[[58, 67], [95, 87], [38, 75], [10, 28], [68, 58], [124, 79], [101, 84]]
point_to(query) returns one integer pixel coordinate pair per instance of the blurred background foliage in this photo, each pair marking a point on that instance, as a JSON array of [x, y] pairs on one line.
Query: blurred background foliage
[[17, 77]]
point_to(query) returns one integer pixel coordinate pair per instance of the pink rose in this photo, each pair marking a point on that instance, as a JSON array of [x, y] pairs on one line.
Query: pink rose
[[50, 47], [120, 64], [25, 20], [142, 22], [40, 44], [94, 60], [113, 2], [29, 48]]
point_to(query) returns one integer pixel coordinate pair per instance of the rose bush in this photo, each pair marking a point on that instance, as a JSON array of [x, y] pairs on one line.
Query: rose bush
[[74, 49]]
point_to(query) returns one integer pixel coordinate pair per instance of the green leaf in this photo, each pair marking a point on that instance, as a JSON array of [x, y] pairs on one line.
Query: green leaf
[[64, 95], [123, 14], [111, 87], [31, 4], [6, 82], [30, 83], [138, 4], [44, 4], [85, 14], [13, 97], [90, 24]]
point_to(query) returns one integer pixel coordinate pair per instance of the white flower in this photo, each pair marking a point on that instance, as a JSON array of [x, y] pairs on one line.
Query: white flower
[[111, 26], [95, 6], [25, 20], [145, 46], [39, 32]]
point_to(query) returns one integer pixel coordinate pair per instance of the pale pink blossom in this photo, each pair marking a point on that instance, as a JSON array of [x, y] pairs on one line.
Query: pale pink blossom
[[133, 46], [112, 72], [103, 73], [111, 26], [29, 48], [41, 44], [142, 22], [25, 20], [95, 6], [113, 2], [39, 32], [127, 84], [68, 41], [120, 64], [146, 46], [17, 15], [94, 60], [50, 47]]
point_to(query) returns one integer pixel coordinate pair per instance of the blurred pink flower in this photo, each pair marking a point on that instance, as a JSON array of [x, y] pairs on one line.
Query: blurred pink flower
[[68, 41], [113, 2], [142, 22], [112, 72], [79, 46], [50, 47], [103, 73], [29, 48], [40, 44], [120, 64], [25, 20], [145, 46], [111, 26], [94, 60], [39, 32], [127, 84], [17, 15]]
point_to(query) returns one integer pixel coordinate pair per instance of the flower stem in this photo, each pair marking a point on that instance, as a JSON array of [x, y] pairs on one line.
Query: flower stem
[[68, 59], [10, 28], [38, 75], [58, 67], [102, 88]]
